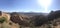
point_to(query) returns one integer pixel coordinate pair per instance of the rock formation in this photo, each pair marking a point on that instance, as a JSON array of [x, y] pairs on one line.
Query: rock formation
[[0, 13], [16, 18]]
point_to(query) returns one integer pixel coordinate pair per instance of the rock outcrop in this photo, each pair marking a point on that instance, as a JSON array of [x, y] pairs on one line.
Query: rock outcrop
[[0, 13], [16, 18]]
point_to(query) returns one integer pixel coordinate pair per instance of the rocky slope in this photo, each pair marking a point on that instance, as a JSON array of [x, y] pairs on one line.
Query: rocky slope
[[43, 21]]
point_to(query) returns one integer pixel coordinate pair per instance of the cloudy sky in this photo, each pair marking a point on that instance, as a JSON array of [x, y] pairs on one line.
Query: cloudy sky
[[27, 6]]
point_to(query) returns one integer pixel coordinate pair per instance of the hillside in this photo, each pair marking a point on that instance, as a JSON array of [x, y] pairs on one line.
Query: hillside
[[30, 20]]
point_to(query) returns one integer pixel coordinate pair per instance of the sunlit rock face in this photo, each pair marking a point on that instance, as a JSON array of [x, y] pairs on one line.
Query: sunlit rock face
[[6, 15], [3, 14]]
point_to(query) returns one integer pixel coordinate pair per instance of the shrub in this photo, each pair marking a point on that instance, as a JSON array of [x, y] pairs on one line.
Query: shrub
[[5, 25], [55, 24], [2, 19], [39, 20], [49, 26]]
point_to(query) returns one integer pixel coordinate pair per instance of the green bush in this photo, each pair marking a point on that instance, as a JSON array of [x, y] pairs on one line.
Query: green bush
[[2, 19]]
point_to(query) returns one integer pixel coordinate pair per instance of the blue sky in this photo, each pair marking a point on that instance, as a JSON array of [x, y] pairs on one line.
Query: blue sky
[[26, 6]]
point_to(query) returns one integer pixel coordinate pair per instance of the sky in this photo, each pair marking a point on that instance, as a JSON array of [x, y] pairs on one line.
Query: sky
[[27, 6]]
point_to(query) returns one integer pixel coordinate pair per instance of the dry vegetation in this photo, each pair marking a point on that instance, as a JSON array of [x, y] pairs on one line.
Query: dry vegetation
[[15, 20]]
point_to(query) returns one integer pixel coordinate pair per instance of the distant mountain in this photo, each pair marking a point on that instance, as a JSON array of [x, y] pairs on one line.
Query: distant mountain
[[31, 13]]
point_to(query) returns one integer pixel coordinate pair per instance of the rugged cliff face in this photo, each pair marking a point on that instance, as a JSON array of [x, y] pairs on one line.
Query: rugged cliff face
[[0, 13], [41, 19], [21, 20], [54, 15]]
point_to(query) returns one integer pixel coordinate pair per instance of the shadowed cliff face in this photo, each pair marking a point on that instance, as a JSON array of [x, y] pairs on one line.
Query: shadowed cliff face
[[54, 15], [0, 13], [41, 19]]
